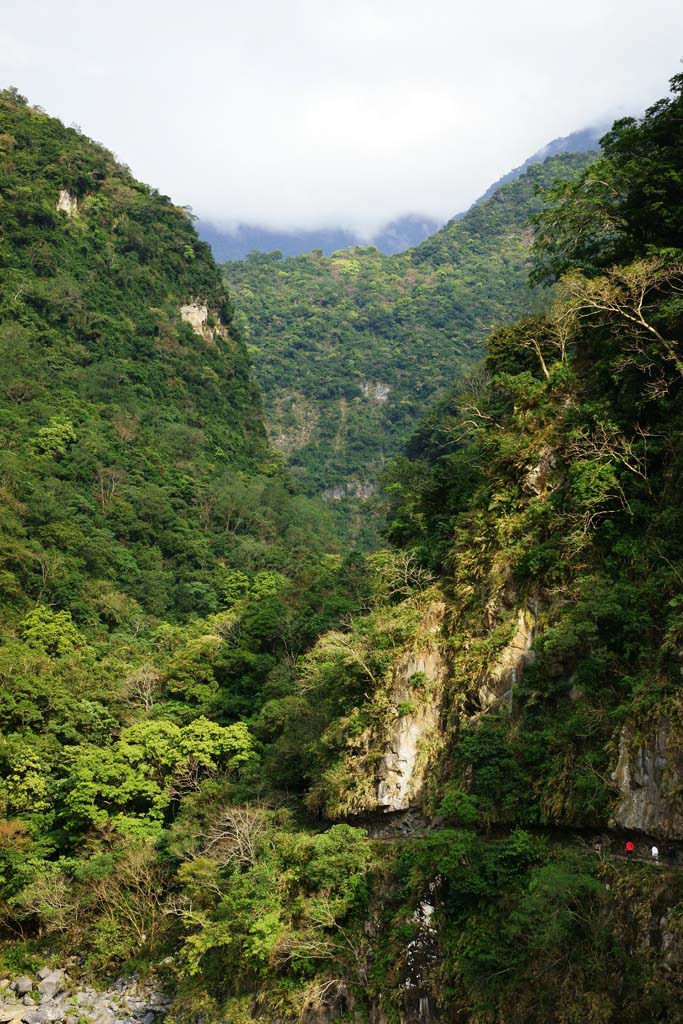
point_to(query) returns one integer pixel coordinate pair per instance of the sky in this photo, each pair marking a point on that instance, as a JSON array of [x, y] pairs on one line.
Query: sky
[[317, 113]]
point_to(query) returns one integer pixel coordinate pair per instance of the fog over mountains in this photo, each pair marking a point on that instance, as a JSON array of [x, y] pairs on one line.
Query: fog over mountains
[[396, 236]]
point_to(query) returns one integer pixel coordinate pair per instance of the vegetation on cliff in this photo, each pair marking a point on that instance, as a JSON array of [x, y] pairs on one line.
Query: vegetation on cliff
[[168, 766], [349, 349]]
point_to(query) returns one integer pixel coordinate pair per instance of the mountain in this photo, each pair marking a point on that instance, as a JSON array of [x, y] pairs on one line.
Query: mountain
[[509, 716], [350, 349], [587, 140], [125, 394], [395, 236], [248, 775]]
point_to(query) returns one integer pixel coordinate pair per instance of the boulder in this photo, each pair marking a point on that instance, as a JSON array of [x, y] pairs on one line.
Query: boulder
[[104, 1016], [22, 985], [11, 1014], [41, 1015], [51, 984]]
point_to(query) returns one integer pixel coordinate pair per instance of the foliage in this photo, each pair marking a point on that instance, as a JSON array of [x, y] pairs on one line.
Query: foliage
[[350, 349], [194, 674]]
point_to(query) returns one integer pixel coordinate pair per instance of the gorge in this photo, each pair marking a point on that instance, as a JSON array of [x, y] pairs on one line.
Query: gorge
[[270, 757]]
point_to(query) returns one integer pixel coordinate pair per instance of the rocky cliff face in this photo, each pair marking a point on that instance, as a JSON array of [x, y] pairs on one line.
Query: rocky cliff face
[[506, 671], [403, 766], [415, 697], [648, 775]]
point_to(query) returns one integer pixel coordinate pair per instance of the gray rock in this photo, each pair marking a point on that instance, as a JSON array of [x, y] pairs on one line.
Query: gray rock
[[43, 973], [149, 1018], [104, 1016], [41, 1015], [22, 985], [51, 984], [28, 1000], [11, 1014], [648, 774]]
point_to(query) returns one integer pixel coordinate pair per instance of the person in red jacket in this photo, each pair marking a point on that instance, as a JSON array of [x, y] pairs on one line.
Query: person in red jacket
[[629, 849]]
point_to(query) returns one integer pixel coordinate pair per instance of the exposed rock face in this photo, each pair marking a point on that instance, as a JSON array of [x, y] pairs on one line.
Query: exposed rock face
[[671, 932], [196, 314], [67, 202], [352, 490], [649, 775], [378, 392], [402, 770], [508, 668], [423, 957], [296, 420], [539, 475]]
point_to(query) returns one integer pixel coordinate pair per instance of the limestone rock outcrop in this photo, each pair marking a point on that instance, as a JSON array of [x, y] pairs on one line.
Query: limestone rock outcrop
[[648, 775], [67, 201], [507, 670], [402, 769], [196, 313]]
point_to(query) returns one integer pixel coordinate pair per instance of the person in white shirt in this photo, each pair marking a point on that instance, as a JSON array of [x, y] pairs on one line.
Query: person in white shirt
[[655, 853]]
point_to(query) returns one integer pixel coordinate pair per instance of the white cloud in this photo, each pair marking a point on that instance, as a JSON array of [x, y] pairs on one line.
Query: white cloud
[[313, 112]]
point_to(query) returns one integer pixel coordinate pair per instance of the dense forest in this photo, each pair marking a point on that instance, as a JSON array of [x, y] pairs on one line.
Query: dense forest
[[295, 784], [349, 349]]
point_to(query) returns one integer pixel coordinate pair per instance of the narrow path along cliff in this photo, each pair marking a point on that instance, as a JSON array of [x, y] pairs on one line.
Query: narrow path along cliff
[[401, 826]]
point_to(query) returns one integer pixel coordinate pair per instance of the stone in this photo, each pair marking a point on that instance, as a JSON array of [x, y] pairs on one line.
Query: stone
[[196, 314], [43, 973], [648, 775], [538, 478], [41, 1015], [507, 670], [378, 392], [51, 984], [11, 1014], [149, 1017], [402, 769], [104, 1016], [22, 985], [67, 202]]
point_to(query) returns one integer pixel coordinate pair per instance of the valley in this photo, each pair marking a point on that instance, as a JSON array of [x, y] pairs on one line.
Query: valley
[[270, 753]]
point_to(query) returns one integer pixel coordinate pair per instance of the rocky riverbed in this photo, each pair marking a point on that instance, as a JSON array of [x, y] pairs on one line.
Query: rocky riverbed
[[51, 996]]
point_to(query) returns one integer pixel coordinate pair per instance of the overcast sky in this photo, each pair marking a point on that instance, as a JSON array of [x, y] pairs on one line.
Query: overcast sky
[[302, 113]]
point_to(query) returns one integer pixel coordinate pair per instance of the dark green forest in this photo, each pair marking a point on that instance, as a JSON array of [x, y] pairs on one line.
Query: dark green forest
[[350, 349], [298, 783]]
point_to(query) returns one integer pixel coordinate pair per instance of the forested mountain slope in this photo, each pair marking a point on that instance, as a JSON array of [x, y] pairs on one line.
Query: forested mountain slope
[[537, 690], [159, 575], [349, 349], [497, 698], [124, 395]]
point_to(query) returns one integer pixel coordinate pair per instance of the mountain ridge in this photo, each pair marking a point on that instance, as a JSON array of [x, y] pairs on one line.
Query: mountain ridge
[[394, 237], [349, 349]]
